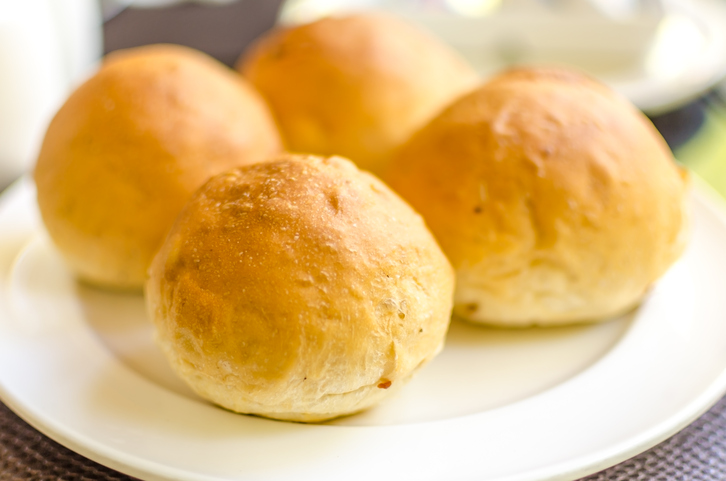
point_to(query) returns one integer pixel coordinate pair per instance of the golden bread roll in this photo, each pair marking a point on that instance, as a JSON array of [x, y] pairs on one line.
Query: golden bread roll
[[555, 200], [356, 86], [299, 289], [128, 148]]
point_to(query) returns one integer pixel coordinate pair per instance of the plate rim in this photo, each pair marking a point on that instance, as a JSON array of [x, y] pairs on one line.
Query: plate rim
[[579, 466]]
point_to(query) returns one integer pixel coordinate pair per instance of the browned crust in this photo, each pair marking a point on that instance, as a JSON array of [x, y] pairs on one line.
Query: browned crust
[[129, 146], [552, 196], [356, 86], [297, 287]]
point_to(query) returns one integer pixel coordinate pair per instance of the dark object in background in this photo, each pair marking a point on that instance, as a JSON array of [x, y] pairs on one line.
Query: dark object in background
[[221, 31], [678, 126]]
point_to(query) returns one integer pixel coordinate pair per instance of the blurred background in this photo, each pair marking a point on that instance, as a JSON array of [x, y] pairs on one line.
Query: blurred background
[[667, 56]]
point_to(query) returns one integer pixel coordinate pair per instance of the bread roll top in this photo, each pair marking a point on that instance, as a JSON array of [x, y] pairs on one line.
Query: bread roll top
[[553, 197], [129, 146], [301, 284], [357, 85]]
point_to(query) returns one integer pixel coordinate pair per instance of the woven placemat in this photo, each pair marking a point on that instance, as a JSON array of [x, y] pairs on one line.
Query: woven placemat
[[698, 453], [26, 454]]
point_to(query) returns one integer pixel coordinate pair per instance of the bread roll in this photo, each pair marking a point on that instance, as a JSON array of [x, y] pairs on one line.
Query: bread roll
[[128, 148], [554, 198], [299, 289], [356, 86]]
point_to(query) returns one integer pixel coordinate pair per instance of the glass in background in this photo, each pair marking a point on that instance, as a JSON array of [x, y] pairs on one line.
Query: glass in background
[[46, 46]]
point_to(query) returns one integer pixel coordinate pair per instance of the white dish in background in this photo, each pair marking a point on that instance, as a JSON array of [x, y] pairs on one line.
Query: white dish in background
[[658, 53], [79, 364]]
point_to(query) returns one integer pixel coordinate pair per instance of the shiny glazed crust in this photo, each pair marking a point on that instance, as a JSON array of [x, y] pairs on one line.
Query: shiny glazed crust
[[299, 289], [356, 86], [555, 200], [128, 148]]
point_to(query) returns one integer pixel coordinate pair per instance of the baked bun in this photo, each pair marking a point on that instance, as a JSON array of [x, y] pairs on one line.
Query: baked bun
[[555, 200], [299, 289], [128, 148], [356, 86]]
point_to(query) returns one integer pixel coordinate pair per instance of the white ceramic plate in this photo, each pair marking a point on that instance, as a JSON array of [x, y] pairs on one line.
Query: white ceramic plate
[[79, 364]]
